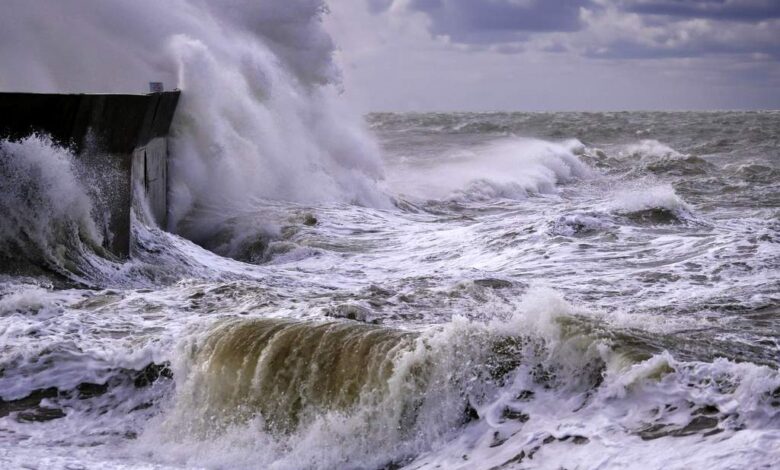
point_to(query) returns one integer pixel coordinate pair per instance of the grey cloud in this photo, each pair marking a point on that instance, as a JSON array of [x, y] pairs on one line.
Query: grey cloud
[[615, 60], [728, 10], [378, 6], [654, 29], [496, 21]]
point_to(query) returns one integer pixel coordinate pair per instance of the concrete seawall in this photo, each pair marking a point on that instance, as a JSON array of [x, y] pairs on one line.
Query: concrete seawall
[[122, 139]]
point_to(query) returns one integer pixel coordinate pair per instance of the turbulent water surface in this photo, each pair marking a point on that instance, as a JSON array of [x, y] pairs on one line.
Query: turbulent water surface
[[566, 290]]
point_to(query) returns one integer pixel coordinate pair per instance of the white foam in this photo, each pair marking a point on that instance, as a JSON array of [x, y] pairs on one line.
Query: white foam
[[649, 149], [509, 168], [48, 215], [661, 196], [564, 404]]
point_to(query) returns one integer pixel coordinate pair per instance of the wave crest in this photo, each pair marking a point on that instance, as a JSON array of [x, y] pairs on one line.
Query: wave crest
[[506, 169], [49, 218]]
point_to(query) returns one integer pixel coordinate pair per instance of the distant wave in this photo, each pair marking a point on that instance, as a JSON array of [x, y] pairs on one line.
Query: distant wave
[[652, 204], [512, 168]]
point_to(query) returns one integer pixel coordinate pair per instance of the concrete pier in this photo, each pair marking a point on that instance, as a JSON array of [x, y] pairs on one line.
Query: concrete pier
[[123, 138]]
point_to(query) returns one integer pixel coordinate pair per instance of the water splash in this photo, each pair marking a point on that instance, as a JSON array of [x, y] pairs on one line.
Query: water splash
[[260, 115], [49, 219]]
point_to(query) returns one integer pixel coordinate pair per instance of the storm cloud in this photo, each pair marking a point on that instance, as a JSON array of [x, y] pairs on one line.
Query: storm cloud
[[561, 54], [624, 29], [499, 20]]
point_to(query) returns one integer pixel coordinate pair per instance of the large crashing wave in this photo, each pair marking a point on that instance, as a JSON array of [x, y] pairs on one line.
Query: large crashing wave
[[258, 118], [340, 394], [546, 379], [49, 219]]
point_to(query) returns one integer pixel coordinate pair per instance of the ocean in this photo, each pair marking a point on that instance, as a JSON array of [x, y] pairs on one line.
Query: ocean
[[505, 290]]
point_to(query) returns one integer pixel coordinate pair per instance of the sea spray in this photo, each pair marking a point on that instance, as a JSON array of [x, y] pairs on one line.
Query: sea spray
[[49, 219], [665, 354], [507, 168], [259, 117]]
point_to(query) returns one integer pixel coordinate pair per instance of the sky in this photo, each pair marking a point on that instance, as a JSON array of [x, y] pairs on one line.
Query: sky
[[552, 55]]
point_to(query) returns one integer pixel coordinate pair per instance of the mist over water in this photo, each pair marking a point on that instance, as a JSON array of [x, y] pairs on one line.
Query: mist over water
[[430, 290]]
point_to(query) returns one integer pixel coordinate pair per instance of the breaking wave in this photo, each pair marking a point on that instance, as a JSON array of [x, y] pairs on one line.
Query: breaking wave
[[284, 393], [49, 219], [651, 204], [504, 169], [658, 158], [344, 393]]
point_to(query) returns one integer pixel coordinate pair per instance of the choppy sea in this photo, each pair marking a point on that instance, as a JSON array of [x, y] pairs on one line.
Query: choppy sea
[[546, 290]]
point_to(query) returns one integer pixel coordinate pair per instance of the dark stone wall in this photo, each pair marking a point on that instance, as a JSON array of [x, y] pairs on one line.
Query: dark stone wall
[[105, 132]]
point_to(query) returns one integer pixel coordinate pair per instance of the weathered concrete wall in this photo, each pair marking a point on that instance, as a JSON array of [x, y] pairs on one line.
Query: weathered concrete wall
[[123, 138]]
